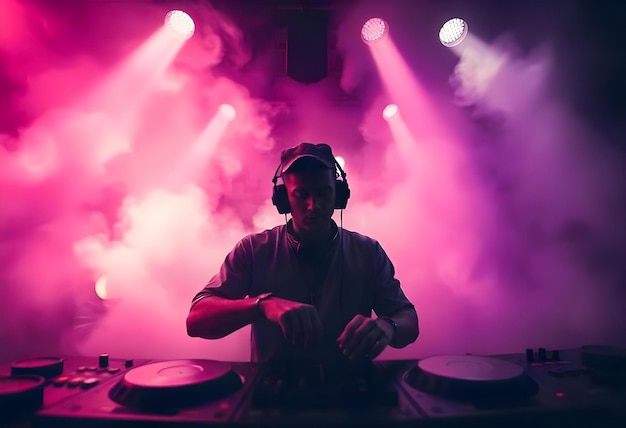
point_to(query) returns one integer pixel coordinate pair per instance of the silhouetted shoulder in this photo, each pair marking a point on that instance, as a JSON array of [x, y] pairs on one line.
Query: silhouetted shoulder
[[358, 238], [267, 237]]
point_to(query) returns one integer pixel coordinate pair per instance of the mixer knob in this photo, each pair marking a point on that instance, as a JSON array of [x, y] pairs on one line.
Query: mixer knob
[[103, 361], [75, 381], [89, 382], [542, 354], [555, 355], [60, 380], [530, 355], [128, 363]]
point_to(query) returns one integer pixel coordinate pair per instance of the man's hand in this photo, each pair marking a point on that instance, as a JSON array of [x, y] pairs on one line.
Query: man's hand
[[364, 337], [299, 322]]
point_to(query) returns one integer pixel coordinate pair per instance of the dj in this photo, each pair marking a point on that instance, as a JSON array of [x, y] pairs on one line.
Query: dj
[[308, 287]]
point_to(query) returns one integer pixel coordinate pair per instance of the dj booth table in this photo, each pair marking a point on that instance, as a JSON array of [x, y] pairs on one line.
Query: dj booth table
[[584, 387]]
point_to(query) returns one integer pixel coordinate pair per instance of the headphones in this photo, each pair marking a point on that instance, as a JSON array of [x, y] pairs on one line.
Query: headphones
[[281, 200]]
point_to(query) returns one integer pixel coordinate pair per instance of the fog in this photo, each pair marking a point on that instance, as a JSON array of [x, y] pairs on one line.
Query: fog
[[505, 231]]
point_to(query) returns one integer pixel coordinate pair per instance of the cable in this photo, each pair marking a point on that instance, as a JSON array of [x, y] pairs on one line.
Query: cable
[[343, 321]]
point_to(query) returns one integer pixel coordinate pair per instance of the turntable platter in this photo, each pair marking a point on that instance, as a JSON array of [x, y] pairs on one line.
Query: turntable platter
[[20, 394], [470, 368], [174, 384], [471, 377], [177, 373], [47, 367]]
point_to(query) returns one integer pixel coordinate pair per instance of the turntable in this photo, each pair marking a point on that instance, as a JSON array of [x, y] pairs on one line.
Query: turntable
[[185, 392], [513, 390]]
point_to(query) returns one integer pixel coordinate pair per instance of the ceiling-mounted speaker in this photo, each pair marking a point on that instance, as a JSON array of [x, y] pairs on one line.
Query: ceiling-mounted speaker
[[307, 45]]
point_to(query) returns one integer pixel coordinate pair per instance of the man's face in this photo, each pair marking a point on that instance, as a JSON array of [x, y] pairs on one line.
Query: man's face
[[312, 199]]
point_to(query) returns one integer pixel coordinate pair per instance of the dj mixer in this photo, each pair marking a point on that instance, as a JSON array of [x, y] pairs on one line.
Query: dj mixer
[[539, 388]]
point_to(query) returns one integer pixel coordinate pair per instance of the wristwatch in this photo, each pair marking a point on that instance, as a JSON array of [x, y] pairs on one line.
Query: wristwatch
[[259, 299], [391, 322]]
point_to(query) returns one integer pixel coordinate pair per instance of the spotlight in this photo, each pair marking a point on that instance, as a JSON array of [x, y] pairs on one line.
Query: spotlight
[[101, 288], [374, 30], [390, 111], [227, 111], [453, 32], [180, 23]]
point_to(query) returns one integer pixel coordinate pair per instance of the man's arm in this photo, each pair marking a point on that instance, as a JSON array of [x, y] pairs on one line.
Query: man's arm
[[214, 317], [364, 337], [406, 330], [397, 325]]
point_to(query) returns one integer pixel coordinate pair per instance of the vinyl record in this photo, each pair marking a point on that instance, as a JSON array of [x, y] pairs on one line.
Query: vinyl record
[[174, 384], [471, 377]]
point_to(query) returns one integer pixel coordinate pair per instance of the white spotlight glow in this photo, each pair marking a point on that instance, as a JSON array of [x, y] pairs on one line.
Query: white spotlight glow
[[374, 30], [180, 24], [390, 111], [341, 161], [101, 288], [453, 32], [227, 111]]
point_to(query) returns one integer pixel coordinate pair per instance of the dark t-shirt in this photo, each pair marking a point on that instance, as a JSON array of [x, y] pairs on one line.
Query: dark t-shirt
[[347, 276]]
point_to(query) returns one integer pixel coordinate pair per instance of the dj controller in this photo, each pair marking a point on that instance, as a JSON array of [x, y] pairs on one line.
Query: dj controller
[[583, 387]]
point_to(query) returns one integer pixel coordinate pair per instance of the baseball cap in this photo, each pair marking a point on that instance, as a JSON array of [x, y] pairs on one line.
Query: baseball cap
[[321, 152]]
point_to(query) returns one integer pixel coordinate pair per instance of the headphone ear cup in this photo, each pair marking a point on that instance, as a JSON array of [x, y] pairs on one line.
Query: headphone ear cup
[[342, 194], [280, 199]]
